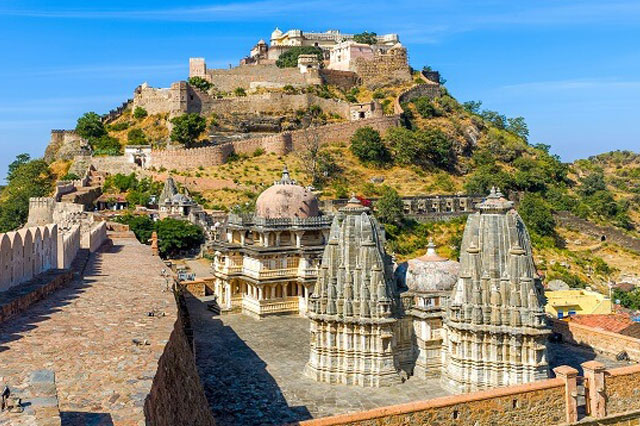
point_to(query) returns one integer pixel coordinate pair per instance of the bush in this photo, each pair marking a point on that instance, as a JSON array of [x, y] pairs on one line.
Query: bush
[[367, 145], [239, 91], [90, 126], [537, 215], [187, 128], [389, 207], [379, 94], [366, 38], [200, 83], [106, 145], [139, 113], [289, 59], [118, 127], [70, 176], [421, 147], [136, 137], [426, 107], [258, 152]]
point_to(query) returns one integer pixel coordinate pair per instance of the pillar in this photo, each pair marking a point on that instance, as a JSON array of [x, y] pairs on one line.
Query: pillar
[[596, 398], [273, 291], [260, 293], [569, 376], [278, 238]]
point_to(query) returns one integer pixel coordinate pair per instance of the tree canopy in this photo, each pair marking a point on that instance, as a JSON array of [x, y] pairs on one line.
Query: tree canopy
[[367, 145], [366, 37], [187, 128], [90, 126], [289, 59], [389, 207]]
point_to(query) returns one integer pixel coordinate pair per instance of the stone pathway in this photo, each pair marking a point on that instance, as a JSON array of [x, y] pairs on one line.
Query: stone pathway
[[252, 372], [85, 334]]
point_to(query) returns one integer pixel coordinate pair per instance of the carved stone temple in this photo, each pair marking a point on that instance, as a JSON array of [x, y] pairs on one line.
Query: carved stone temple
[[355, 306], [495, 331], [476, 324]]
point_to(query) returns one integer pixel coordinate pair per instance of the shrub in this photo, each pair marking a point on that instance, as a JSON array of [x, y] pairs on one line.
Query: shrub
[[187, 128], [389, 207], [289, 89], [258, 152], [90, 126], [70, 176], [289, 59], [367, 145], [379, 94], [366, 38], [426, 108], [239, 91], [139, 113], [421, 147], [200, 83], [106, 145], [537, 215], [118, 127], [136, 137]]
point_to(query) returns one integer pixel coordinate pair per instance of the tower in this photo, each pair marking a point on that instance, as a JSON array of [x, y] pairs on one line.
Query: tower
[[353, 309], [495, 331]]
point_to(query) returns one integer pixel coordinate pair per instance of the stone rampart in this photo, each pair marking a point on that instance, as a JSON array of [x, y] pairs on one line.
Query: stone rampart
[[601, 341], [622, 387], [94, 237], [27, 253], [603, 233], [383, 70], [63, 188], [161, 100], [537, 403], [279, 144], [177, 396], [68, 246], [45, 210], [342, 79], [242, 76]]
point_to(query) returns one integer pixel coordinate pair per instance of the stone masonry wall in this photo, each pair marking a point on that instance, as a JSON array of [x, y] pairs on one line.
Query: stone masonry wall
[[538, 403], [383, 70], [68, 247], [279, 144], [623, 389], [242, 76], [605, 342], [611, 234], [177, 396], [27, 253], [342, 79]]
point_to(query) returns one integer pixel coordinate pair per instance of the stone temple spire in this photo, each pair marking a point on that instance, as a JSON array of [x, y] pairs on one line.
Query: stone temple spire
[[495, 327], [354, 305]]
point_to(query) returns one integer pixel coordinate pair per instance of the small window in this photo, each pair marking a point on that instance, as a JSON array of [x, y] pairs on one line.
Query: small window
[[560, 314], [455, 414], [514, 403]]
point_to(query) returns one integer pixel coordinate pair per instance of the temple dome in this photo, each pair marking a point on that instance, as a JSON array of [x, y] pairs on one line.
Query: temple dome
[[285, 199], [428, 273]]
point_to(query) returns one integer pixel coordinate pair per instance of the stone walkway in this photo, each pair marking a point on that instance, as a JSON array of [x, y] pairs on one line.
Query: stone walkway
[[85, 333], [252, 372]]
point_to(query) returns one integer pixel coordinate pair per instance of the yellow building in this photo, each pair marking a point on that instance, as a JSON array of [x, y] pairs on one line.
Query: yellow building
[[562, 303]]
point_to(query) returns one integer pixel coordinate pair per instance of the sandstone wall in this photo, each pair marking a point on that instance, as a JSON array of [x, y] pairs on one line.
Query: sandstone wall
[[161, 100], [242, 76], [383, 70], [538, 403], [94, 237], [609, 233], [622, 387], [45, 210], [279, 144], [68, 246], [113, 164], [599, 340], [342, 79], [177, 396], [27, 253]]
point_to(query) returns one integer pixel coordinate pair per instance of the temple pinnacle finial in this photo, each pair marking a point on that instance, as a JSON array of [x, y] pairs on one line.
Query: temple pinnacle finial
[[431, 248], [286, 177]]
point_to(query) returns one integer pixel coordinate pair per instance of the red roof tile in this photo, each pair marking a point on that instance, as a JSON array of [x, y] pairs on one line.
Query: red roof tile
[[609, 322]]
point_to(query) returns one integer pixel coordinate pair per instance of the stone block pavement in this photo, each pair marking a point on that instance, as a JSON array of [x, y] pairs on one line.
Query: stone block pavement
[[252, 372], [86, 333]]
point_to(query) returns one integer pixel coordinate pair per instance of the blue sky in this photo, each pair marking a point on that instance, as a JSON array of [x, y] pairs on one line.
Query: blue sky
[[569, 67]]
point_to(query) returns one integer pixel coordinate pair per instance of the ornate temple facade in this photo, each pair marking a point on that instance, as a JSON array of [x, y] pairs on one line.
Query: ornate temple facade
[[495, 329], [476, 324], [267, 263], [355, 306]]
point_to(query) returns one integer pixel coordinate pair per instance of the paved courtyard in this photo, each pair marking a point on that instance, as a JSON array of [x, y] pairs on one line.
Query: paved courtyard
[[252, 372]]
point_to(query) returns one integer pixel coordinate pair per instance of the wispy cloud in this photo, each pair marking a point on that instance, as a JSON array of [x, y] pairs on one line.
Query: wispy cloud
[[579, 84]]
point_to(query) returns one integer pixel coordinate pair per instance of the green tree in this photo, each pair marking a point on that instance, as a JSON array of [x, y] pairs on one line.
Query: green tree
[[592, 183], [27, 178], [367, 145], [141, 226], [239, 91], [139, 113], [289, 59], [537, 215], [487, 176], [187, 128], [429, 147], [426, 107], [495, 118], [389, 207], [136, 137], [200, 83], [175, 236], [472, 106], [106, 145], [90, 126], [519, 127], [366, 38]]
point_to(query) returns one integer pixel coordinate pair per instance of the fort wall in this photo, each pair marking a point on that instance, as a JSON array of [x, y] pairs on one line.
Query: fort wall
[[279, 144], [68, 247], [94, 237], [601, 341], [383, 69], [27, 253], [604, 233], [242, 76]]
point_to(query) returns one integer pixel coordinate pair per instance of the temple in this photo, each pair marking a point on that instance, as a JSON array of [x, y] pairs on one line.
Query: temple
[[266, 263]]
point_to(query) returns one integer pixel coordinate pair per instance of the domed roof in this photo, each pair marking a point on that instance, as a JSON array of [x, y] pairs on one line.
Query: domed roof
[[429, 272], [276, 33], [285, 199]]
